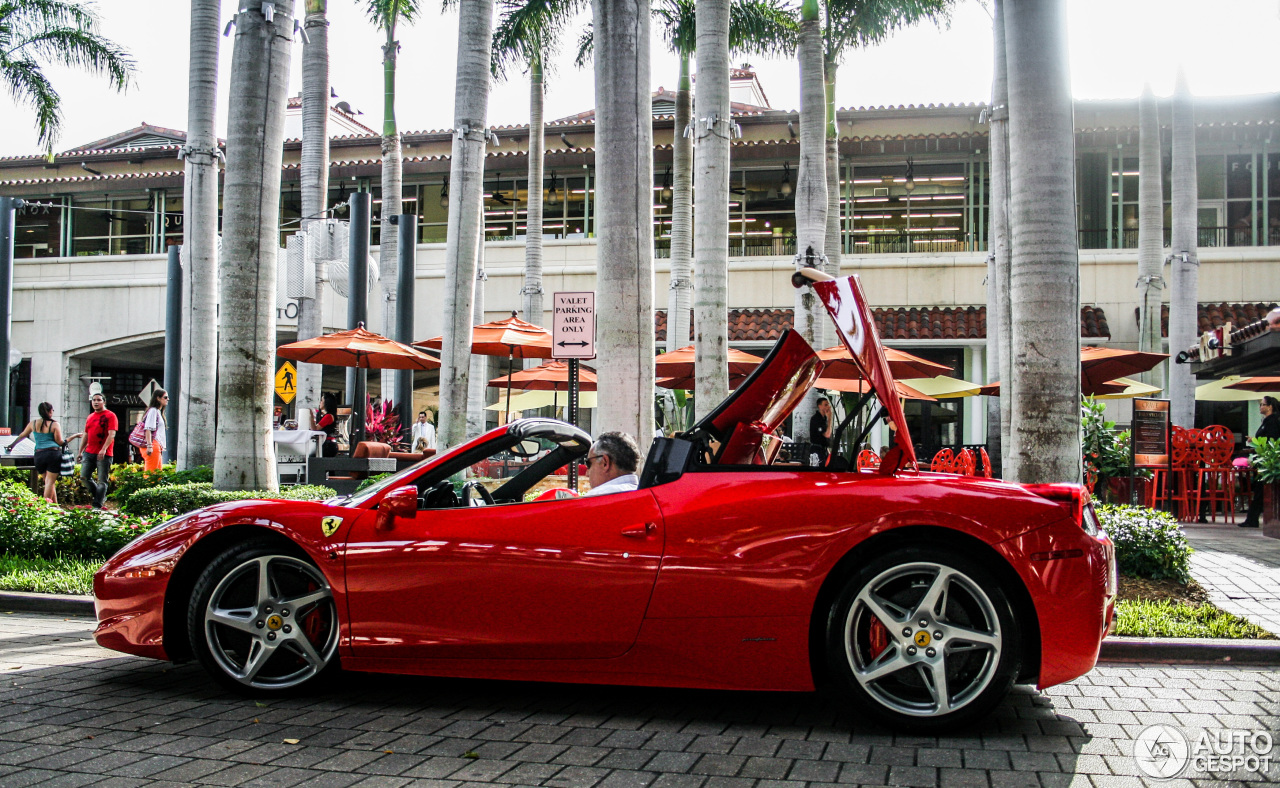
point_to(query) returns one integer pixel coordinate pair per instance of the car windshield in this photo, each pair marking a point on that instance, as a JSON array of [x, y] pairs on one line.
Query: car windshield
[[391, 480]]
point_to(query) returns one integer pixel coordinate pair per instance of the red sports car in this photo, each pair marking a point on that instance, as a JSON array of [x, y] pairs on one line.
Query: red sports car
[[921, 596]]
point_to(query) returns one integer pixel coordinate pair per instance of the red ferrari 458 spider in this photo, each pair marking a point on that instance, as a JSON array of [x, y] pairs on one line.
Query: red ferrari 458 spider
[[921, 596]]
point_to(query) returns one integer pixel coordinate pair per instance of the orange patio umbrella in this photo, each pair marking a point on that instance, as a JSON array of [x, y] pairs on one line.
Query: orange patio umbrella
[[838, 364], [1261, 384], [1087, 389], [679, 364], [552, 376], [1101, 365], [688, 382], [359, 348], [852, 386], [511, 337]]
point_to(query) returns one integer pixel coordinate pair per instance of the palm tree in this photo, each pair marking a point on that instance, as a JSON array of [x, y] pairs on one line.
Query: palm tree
[[855, 24], [198, 389], [386, 15], [36, 34], [466, 205], [998, 327], [1185, 273], [314, 174], [811, 184], [528, 34], [1044, 386], [245, 457], [624, 218], [1150, 230], [719, 27]]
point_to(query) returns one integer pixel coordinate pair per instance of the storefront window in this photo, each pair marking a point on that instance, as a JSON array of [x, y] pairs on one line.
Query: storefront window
[[112, 225], [929, 217], [39, 228]]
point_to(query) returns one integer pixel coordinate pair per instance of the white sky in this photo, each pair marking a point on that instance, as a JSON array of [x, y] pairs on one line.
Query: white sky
[[1116, 45]]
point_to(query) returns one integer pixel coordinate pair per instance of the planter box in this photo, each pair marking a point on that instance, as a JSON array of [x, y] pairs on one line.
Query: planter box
[[1270, 519]]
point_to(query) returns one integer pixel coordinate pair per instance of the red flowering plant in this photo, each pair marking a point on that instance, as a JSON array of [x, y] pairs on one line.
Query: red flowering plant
[[31, 526], [381, 422]]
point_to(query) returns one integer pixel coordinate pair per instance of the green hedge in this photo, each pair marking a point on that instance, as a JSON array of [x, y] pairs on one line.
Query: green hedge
[[1149, 543], [30, 526], [173, 499]]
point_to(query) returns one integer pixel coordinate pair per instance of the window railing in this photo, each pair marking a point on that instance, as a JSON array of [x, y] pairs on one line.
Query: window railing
[[1206, 237]]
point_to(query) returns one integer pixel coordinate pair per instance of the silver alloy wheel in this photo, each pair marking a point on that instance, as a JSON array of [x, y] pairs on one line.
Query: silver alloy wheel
[[943, 641], [257, 621]]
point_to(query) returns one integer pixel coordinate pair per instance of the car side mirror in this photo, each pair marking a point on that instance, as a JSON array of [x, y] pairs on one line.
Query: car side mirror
[[400, 502]]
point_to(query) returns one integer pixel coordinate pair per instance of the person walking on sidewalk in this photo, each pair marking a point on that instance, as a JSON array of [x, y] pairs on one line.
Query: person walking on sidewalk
[[98, 448], [49, 444], [154, 431]]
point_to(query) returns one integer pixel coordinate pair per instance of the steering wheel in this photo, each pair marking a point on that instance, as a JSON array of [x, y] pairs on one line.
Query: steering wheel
[[485, 497]]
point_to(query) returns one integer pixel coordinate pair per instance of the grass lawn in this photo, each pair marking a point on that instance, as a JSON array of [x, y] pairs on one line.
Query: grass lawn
[[1172, 619], [48, 576]]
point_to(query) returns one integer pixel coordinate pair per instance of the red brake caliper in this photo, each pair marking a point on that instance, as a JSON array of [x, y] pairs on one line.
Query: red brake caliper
[[878, 636]]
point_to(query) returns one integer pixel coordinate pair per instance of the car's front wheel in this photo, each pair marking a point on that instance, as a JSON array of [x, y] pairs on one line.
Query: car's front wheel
[[923, 638], [263, 620]]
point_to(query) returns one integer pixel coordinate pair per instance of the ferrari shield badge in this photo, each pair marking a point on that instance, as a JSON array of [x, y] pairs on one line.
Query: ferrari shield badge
[[329, 525]]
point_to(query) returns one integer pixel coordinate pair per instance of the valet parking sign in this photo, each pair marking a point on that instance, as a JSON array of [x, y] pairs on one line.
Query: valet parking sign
[[573, 325]]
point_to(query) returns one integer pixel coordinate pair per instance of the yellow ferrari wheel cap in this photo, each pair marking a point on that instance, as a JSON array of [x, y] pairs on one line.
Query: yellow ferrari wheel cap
[[274, 623], [329, 525], [922, 638]]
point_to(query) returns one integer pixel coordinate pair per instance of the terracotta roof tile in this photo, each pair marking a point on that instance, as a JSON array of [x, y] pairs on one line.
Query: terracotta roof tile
[[1212, 316], [959, 323]]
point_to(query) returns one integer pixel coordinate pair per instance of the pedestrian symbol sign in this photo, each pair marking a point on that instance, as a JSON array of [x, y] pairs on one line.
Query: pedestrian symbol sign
[[287, 382]]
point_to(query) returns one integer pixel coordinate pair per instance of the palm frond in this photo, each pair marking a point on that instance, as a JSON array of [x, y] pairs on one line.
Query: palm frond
[[28, 85], [386, 14], [529, 30], [20, 19], [761, 27], [586, 46], [863, 23], [82, 49], [678, 21]]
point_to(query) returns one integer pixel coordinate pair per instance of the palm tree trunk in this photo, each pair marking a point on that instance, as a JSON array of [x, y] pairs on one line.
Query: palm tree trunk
[[245, 458], [680, 294], [1150, 232], [198, 391], [624, 219], [1185, 271], [711, 201], [532, 291], [392, 191], [811, 188], [1044, 295], [315, 186], [479, 377], [466, 206], [824, 330], [999, 329]]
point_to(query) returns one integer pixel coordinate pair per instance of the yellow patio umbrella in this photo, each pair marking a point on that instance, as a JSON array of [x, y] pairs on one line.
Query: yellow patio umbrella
[[542, 399], [1133, 388], [944, 387], [1217, 391]]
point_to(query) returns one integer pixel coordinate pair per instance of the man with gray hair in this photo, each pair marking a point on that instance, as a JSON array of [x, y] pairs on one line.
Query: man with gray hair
[[611, 464]]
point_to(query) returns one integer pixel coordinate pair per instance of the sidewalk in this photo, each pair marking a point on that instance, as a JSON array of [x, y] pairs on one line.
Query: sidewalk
[[1240, 568]]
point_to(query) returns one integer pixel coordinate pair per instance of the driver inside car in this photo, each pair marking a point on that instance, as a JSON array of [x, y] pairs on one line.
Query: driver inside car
[[612, 463]]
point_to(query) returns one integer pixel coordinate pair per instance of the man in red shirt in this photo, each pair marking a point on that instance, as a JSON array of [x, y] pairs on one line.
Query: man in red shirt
[[98, 447]]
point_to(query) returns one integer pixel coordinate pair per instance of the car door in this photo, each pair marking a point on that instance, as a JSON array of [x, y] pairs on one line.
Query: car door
[[540, 580]]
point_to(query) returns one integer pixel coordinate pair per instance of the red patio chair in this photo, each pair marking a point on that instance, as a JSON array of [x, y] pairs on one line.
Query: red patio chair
[[1216, 477], [868, 460], [942, 461]]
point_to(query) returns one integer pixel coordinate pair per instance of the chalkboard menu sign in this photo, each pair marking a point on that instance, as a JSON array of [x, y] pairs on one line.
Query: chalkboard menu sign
[[1150, 433]]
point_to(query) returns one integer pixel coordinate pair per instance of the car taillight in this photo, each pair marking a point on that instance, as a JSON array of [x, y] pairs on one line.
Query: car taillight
[[1074, 496]]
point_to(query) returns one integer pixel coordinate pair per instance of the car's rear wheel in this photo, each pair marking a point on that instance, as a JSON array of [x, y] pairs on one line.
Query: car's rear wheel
[[923, 638], [263, 620]]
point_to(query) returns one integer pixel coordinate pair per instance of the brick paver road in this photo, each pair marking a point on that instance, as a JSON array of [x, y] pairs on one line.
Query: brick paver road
[[72, 714]]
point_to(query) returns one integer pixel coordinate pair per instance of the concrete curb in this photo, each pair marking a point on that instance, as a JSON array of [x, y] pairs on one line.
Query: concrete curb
[[61, 604], [1174, 651]]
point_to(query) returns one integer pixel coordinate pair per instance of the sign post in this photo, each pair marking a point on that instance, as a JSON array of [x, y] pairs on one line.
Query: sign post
[[1149, 443], [573, 337]]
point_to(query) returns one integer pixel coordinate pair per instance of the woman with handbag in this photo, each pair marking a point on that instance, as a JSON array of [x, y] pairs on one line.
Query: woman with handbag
[[50, 447], [149, 435]]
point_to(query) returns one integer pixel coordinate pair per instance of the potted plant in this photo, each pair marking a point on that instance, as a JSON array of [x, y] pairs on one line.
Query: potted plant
[[1266, 465], [1106, 453]]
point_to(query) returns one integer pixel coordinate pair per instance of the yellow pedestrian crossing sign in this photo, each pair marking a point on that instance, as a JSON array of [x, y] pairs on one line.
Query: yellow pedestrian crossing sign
[[286, 382]]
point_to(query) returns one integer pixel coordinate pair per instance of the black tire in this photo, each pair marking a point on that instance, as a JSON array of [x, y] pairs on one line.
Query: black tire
[[274, 629], [891, 671]]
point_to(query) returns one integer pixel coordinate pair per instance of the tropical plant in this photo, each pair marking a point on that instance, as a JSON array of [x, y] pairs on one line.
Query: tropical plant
[[1185, 269], [1149, 543], [314, 177], [528, 35], [1044, 384], [466, 201], [251, 196], [1105, 451], [1266, 459], [382, 422], [36, 34], [198, 389], [171, 500], [386, 15], [624, 218]]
